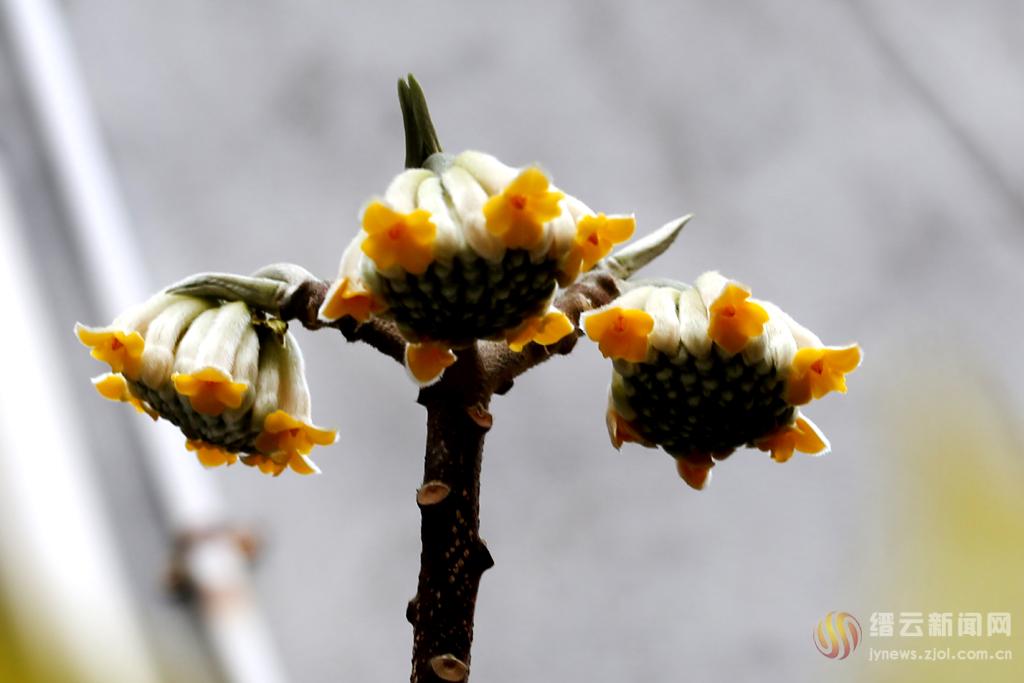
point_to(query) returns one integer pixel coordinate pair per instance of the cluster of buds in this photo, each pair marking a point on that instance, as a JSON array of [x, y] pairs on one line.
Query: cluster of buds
[[703, 370], [230, 378], [468, 248]]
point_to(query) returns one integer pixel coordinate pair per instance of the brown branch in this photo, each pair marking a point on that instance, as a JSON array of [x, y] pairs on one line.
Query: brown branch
[[381, 334], [453, 556], [502, 365]]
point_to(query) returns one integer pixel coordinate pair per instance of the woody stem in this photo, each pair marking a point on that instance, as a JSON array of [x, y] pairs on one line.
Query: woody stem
[[453, 556]]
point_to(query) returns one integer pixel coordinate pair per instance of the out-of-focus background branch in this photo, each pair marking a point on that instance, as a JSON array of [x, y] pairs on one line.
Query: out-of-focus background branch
[[856, 161]]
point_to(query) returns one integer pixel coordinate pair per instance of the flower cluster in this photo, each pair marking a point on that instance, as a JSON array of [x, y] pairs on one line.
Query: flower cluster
[[468, 248], [703, 370], [231, 380]]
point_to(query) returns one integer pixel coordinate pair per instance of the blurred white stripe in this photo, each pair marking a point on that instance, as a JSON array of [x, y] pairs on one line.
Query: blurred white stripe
[[66, 585], [239, 635]]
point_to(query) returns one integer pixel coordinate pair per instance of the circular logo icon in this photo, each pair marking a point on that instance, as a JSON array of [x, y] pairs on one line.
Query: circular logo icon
[[837, 635]]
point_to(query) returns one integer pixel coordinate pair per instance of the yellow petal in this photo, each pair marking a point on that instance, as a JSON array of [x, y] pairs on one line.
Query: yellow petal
[[402, 239], [210, 455], [596, 235], [801, 436], [544, 330], [517, 215], [120, 349], [734, 320], [210, 391], [696, 474], [284, 433], [620, 332], [345, 300], [113, 386], [817, 371], [426, 362]]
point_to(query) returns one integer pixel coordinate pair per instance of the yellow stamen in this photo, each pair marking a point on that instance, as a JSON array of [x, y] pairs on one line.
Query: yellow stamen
[[402, 239], [734, 319], [544, 330], [695, 474], [114, 387], [210, 455], [426, 362], [596, 235], [210, 391], [621, 333], [346, 300], [519, 213], [799, 436], [120, 349], [817, 371]]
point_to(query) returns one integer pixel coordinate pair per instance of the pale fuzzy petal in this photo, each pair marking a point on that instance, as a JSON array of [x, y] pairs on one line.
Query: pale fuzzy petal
[[188, 348], [564, 232], [468, 199], [401, 193], [293, 393], [162, 337], [662, 304], [693, 323], [561, 224], [710, 286], [219, 348], [268, 380], [576, 208], [492, 174], [245, 368], [448, 240], [803, 337], [775, 345], [138, 317]]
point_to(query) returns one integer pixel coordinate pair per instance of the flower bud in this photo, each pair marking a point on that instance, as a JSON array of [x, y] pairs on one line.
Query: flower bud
[[703, 370], [233, 383], [469, 248]]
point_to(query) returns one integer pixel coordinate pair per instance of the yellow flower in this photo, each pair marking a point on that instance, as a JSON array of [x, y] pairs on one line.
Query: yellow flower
[[426, 362], [596, 235], [345, 300], [286, 441], [734, 320], [803, 435], [114, 387], [519, 213], [620, 333], [817, 371], [711, 370], [210, 391], [120, 349], [402, 239], [544, 330], [466, 249], [244, 382], [210, 455]]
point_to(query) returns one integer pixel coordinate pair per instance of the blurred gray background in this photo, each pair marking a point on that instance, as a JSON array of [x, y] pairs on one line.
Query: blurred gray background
[[859, 163]]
